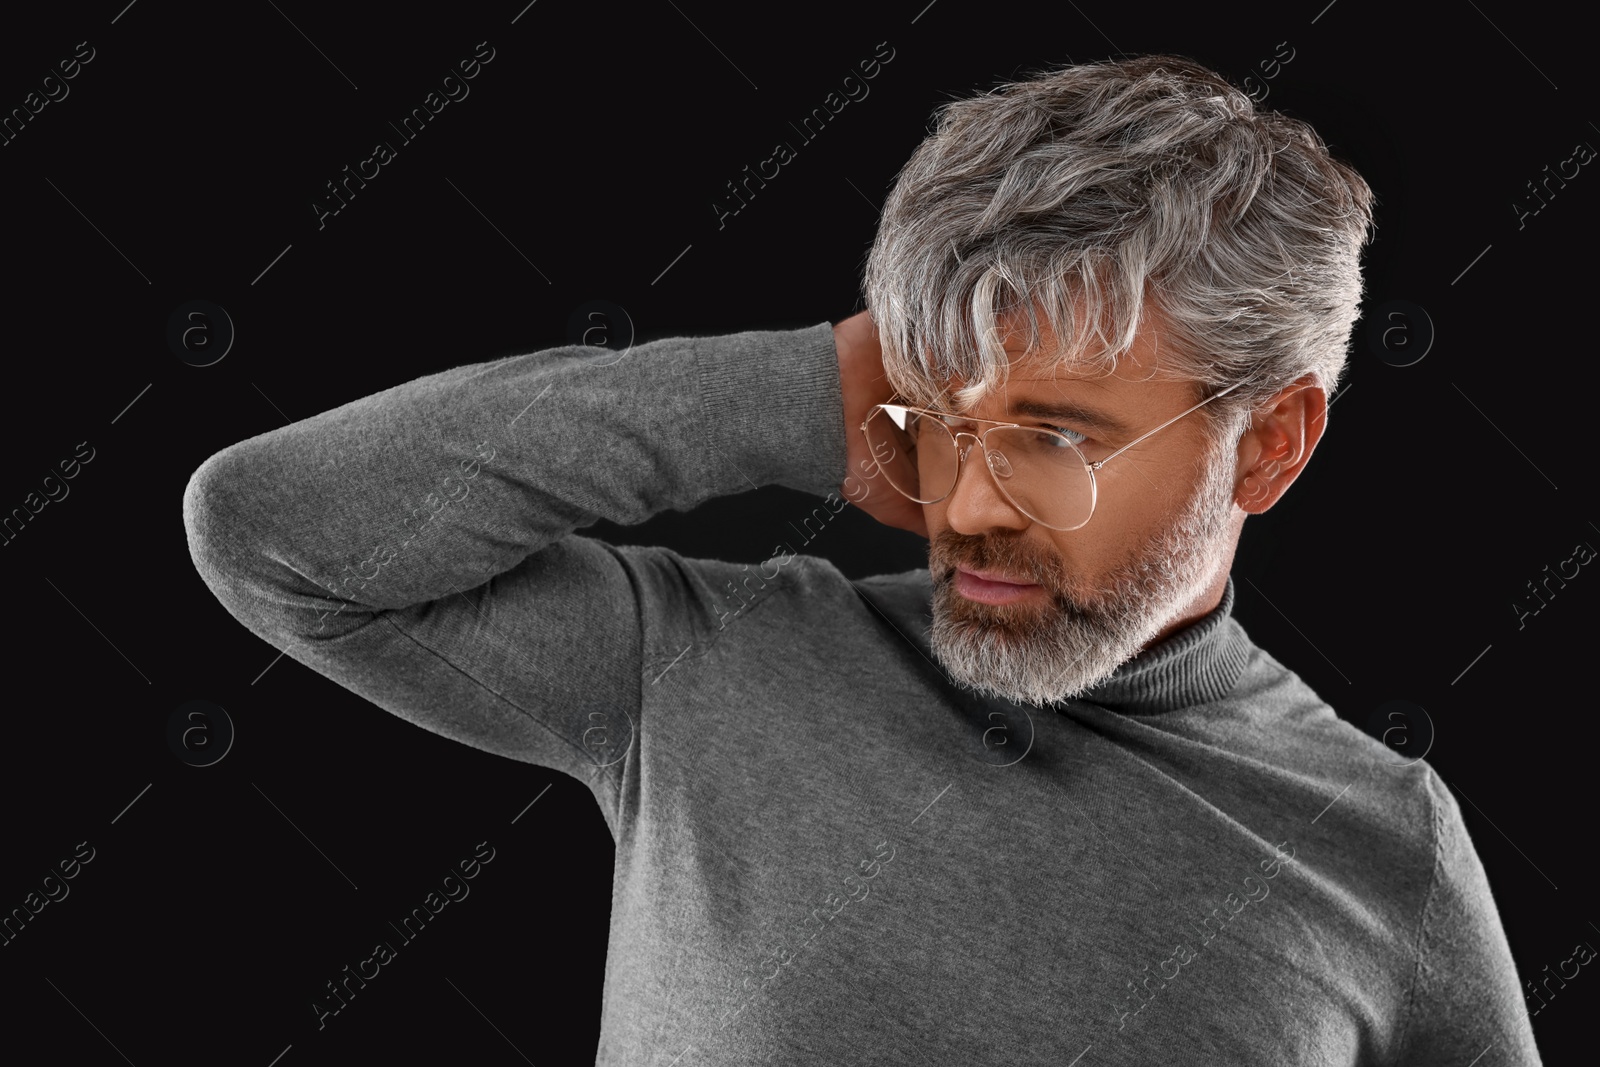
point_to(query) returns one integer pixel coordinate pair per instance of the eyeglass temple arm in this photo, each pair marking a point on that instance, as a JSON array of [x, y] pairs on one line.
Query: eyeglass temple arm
[[1097, 464]]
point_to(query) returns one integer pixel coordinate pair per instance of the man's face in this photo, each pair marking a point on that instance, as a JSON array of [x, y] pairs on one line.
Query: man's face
[[1153, 558]]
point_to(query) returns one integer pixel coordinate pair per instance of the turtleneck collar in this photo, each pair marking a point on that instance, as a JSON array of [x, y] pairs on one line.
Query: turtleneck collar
[[1198, 664]]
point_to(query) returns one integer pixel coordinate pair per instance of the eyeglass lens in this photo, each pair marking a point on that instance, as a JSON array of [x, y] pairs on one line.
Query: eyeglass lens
[[1040, 472]]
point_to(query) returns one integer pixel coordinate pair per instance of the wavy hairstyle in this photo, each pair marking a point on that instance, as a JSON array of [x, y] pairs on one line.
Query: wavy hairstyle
[[1106, 195]]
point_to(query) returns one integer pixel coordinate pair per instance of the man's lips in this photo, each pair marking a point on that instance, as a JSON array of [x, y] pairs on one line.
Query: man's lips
[[992, 587]]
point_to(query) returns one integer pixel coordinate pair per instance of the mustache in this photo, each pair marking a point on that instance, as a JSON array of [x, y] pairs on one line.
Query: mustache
[[1011, 556]]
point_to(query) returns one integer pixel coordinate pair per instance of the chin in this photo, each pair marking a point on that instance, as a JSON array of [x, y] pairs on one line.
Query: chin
[[1029, 654]]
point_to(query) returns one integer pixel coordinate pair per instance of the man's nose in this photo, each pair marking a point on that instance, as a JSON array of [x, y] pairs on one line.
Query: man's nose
[[976, 503]]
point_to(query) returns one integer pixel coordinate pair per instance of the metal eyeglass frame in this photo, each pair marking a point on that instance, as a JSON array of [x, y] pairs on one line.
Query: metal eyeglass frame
[[978, 438]]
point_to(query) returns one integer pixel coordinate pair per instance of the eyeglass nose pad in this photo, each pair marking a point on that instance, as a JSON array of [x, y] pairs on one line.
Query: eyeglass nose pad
[[999, 464]]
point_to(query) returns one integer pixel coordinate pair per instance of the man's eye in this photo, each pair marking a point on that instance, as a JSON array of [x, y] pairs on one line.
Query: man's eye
[[1072, 435]]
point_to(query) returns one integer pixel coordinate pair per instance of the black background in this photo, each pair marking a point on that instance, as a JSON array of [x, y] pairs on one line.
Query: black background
[[583, 166]]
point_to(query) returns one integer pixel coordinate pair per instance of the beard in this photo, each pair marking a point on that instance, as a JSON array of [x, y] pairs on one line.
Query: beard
[[1040, 654]]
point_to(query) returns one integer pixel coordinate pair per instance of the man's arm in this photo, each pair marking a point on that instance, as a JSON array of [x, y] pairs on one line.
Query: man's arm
[[1466, 996], [416, 545]]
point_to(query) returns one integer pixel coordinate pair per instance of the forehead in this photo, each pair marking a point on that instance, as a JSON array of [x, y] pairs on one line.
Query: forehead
[[1045, 371]]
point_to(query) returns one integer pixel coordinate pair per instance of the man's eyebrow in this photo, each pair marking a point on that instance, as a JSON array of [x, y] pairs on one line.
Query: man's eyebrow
[[1067, 411]]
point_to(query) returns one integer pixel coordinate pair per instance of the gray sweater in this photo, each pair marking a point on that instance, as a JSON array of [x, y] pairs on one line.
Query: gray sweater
[[826, 853]]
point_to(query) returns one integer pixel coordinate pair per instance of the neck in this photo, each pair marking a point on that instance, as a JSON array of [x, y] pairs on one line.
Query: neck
[[1203, 604]]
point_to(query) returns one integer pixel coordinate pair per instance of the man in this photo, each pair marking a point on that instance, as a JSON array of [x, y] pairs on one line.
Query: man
[[1043, 802]]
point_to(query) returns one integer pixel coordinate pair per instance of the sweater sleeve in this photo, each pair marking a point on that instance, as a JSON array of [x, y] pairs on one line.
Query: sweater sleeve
[[416, 546], [1466, 995]]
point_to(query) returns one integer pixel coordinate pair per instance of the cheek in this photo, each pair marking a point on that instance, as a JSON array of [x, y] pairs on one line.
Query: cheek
[[1122, 528], [1142, 499]]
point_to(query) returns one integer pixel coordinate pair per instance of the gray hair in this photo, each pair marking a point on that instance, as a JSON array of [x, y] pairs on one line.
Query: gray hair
[[1095, 188]]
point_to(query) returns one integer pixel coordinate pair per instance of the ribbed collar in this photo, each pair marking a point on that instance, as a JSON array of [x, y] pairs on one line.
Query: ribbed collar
[[1198, 664]]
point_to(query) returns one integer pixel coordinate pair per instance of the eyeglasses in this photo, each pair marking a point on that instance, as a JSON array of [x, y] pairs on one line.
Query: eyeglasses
[[1041, 472]]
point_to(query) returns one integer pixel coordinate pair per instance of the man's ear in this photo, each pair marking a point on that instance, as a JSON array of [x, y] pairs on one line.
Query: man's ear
[[1280, 439]]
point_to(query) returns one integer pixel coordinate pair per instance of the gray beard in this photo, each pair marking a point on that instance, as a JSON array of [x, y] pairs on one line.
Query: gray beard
[[1037, 655]]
